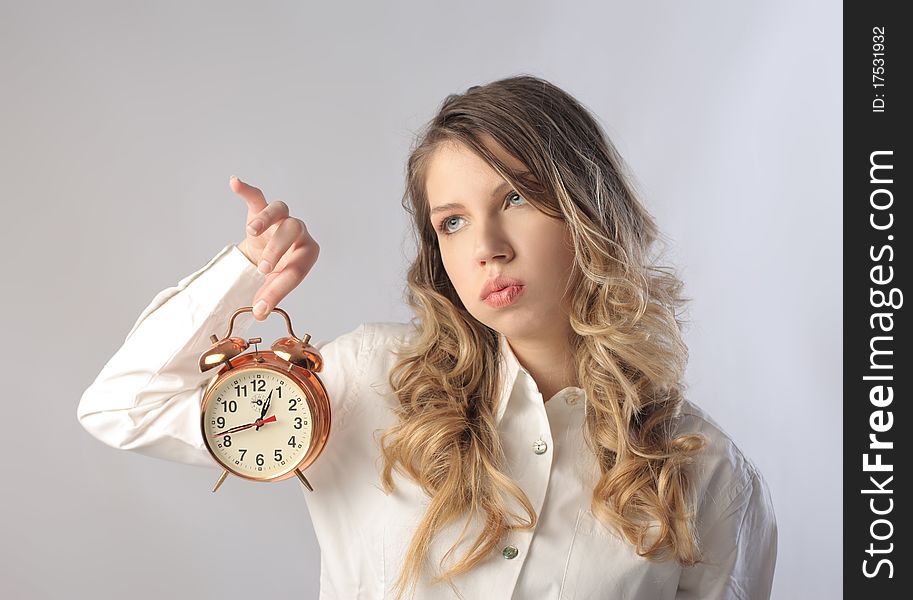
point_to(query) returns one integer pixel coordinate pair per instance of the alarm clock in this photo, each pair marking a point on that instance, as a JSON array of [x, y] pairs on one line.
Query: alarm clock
[[265, 415]]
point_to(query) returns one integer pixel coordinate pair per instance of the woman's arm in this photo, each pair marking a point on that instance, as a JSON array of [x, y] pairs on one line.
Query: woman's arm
[[739, 546], [147, 396]]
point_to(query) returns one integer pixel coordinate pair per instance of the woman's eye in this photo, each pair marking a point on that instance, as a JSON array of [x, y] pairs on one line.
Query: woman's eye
[[512, 194], [445, 229]]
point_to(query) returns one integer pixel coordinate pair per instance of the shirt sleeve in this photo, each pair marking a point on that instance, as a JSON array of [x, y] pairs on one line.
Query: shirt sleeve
[[147, 397], [739, 547]]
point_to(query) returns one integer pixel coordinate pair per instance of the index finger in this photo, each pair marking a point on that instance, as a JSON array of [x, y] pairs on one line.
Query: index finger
[[252, 196]]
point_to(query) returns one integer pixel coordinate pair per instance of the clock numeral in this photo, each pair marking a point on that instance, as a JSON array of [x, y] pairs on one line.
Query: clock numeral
[[259, 385], [291, 441], [293, 403], [297, 422], [227, 441], [243, 451], [259, 460], [238, 390], [220, 422], [230, 406], [277, 455]]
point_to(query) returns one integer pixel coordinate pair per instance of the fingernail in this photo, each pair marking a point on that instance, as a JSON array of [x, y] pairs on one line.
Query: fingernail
[[254, 227], [265, 267], [233, 177], [260, 307]]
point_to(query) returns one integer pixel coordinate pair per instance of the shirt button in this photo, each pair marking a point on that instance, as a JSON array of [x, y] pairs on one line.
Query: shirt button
[[539, 447], [510, 552]]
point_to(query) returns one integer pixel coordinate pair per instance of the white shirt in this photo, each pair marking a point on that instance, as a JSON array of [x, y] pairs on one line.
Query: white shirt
[[147, 398]]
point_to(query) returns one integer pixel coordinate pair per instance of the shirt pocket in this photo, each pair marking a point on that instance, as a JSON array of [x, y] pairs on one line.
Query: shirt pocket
[[600, 564]]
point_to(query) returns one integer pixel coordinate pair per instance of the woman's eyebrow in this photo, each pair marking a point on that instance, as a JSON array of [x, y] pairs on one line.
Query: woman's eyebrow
[[454, 205]]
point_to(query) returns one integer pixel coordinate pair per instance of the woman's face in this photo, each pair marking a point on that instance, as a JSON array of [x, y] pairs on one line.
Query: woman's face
[[495, 231]]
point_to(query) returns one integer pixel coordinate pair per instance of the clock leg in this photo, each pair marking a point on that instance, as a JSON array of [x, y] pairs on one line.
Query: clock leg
[[219, 482], [303, 479]]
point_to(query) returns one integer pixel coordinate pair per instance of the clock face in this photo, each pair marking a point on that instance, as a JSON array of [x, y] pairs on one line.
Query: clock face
[[258, 423]]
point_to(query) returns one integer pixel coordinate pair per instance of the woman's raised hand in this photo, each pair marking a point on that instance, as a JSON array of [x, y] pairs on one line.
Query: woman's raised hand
[[279, 244]]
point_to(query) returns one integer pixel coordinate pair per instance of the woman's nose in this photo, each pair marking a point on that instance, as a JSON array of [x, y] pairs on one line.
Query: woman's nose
[[491, 244]]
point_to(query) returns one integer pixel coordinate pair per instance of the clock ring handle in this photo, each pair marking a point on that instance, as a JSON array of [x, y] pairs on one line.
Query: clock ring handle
[[290, 349], [250, 309]]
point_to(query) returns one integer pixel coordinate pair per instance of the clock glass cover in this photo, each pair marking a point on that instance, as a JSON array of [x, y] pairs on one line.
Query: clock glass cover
[[258, 423]]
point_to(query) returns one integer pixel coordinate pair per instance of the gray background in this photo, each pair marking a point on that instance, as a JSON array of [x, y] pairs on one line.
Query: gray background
[[122, 122]]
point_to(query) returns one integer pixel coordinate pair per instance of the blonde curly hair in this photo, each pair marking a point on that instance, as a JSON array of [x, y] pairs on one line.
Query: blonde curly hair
[[628, 348]]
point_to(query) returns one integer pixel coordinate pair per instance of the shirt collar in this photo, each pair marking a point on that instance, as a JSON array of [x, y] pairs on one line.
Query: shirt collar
[[512, 368]]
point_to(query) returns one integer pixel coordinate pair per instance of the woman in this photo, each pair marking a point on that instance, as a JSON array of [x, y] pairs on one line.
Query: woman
[[533, 439]]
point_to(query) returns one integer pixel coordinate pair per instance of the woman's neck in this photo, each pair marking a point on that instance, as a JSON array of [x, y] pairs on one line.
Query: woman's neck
[[549, 363]]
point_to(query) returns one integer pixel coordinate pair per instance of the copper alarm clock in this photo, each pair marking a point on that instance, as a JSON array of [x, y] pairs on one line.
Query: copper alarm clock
[[265, 414]]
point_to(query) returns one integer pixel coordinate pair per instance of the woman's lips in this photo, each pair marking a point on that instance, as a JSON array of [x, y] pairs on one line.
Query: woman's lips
[[496, 283], [504, 297]]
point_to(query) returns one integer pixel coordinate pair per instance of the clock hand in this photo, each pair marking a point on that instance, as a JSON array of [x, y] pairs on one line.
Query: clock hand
[[265, 408], [258, 423]]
